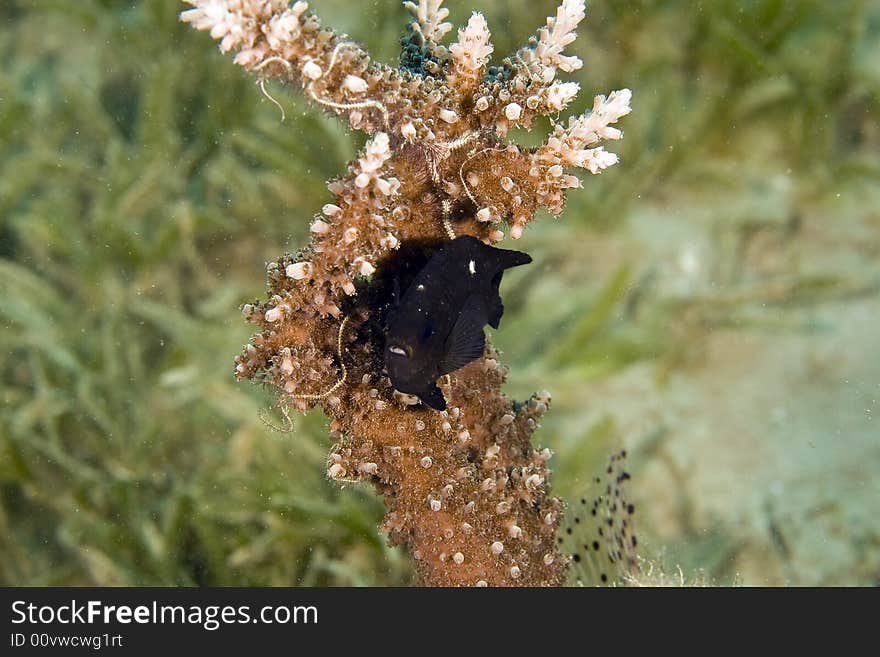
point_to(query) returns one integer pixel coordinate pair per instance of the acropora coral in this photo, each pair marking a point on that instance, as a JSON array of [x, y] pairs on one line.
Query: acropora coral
[[466, 492]]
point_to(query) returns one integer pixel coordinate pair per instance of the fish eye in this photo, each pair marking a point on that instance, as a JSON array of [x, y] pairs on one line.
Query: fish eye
[[397, 350]]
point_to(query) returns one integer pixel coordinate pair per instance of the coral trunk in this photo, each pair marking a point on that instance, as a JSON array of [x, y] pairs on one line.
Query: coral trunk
[[466, 492]]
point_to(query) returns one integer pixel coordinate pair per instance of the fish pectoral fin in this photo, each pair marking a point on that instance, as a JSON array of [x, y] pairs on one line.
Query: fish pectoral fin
[[466, 341], [433, 397], [496, 308]]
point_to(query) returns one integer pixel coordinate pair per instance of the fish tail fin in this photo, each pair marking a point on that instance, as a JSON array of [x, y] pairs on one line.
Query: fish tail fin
[[508, 258]]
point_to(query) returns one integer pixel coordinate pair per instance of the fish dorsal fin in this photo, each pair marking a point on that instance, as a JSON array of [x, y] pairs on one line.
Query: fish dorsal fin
[[466, 340]]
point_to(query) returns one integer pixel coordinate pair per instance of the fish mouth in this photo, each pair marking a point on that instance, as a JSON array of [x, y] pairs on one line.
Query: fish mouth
[[408, 388], [433, 398], [430, 395]]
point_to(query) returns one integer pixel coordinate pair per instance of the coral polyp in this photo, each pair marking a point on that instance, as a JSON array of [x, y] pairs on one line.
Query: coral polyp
[[466, 492]]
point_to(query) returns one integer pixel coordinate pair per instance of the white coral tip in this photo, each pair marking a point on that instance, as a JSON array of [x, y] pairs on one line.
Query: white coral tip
[[561, 94]]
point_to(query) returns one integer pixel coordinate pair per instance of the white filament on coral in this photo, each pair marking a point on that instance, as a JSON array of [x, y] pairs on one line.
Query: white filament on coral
[[287, 427], [322, 101], [335, 52], [467, 189], [447, 225], [273, 60], [344, 376], [271, 99], [359, 105]]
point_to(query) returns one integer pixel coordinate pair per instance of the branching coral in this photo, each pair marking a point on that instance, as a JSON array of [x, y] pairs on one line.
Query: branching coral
[[465, 490]]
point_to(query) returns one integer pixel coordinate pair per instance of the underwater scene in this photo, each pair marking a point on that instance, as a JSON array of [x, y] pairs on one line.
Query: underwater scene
[[439, 293]]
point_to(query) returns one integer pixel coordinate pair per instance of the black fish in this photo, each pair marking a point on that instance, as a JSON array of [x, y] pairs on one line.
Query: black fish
[[437, 325]]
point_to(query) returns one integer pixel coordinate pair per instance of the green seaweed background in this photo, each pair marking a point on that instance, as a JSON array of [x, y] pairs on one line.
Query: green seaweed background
[[144, 181]]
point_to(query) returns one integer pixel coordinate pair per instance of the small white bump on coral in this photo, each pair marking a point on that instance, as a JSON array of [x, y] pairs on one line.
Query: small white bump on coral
[[319, 227], [484, 214], [354, 84], [408, 131], [286, 367], [369, 468], [312, 71], [298, 270], [448, 115], [363, 267], [533, 482]]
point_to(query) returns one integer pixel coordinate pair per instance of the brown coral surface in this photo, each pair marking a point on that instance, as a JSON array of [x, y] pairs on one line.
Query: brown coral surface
[[465, 490]]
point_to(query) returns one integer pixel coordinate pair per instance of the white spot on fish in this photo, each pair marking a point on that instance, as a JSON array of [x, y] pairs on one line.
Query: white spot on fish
[[472, 267]]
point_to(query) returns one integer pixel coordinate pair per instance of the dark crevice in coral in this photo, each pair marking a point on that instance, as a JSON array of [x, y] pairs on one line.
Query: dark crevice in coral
[[417, 56]]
